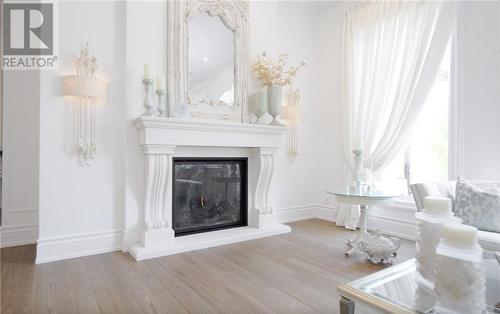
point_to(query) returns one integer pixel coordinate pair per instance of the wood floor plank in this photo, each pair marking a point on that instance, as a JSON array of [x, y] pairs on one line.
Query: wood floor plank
[[25, 298], [290, 273], [134, 285], [101, 294], [187, 297], [261, 289], [85, 300], [65, 299], [162, 298], [45, 289], [120, 294], [200, 283], [236, 286], [13, 266], [147, 277], [307, 287], [203, 278], [284, 278]]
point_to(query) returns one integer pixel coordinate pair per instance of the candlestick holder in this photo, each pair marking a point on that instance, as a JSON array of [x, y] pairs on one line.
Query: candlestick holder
[[148, 98], [358, 159], [162, 102]]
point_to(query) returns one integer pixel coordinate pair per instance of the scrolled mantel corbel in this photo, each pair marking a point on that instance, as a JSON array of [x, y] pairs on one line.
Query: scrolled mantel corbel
[[157, 194], [264, 157]]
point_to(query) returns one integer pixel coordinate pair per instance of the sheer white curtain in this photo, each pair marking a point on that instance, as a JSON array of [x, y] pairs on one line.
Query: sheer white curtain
[[392, 51]]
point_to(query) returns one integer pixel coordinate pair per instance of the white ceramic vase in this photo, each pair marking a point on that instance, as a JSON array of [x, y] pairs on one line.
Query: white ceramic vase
[[274, 102], [258, 105]]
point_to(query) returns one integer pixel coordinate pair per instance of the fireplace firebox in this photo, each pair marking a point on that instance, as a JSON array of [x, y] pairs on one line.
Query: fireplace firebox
[[208, 194]]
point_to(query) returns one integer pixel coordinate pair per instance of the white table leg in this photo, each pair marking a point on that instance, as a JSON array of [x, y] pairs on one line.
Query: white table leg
[[361, 233]]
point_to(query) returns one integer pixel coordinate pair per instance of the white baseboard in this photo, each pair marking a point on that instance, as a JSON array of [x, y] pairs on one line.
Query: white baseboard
[[294, 214], [59, 248], [18, 235], [325, 212], [299, 213], [399, 227], [392, 226]]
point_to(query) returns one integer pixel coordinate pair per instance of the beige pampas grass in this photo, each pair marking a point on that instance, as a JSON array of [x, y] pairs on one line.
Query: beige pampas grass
[[271, 72]]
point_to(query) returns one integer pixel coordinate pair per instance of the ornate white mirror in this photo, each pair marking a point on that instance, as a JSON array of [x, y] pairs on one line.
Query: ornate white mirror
[[208, 58], [210, 62]]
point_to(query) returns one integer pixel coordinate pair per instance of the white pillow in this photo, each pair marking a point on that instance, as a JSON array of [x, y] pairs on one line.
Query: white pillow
[[477, 207]]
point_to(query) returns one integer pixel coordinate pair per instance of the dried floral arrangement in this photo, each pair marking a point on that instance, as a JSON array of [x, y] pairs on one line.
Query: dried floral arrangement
[[272, 72]]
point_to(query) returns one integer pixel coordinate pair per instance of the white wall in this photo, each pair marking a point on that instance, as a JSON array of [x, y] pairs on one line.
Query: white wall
[[478, 91], [329, 78], [302, 182], [20, 157], [79, 203], [140, 49]]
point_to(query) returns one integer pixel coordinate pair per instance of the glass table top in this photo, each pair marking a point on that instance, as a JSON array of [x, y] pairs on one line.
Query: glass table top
[[362, 193], [397, 285]]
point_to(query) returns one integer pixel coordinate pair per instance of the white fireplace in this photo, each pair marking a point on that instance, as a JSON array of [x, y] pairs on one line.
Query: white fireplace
[[163, 139]]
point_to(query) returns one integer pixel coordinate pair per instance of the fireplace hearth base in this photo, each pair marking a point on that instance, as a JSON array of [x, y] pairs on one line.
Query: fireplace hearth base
[[206, 240]]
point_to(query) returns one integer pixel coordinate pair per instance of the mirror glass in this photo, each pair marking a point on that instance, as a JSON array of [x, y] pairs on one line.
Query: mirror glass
[[211, 61]]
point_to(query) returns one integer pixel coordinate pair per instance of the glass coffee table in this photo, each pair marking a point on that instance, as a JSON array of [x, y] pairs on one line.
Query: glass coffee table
[[379, 249], [395, 290]]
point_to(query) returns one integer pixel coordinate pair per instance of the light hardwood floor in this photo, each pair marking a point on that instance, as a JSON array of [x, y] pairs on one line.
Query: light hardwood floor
[[291, 273]]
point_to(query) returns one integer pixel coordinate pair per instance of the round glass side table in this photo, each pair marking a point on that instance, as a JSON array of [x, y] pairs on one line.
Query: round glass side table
[[379, 249]]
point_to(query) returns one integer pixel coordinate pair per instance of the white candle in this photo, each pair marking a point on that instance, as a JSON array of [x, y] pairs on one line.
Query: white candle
[[147, 71], [357, 143], [437, 206], [161, 82], [408, 156], [459, 236]]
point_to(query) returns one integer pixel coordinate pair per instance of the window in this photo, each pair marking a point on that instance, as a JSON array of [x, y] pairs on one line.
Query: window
[[427, 155]]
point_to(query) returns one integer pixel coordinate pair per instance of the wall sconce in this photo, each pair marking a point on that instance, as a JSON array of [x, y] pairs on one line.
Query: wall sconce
[[290, 113], [89, 90]]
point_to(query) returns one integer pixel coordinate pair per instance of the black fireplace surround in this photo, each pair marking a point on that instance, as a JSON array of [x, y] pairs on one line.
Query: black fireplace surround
[[208, 194]]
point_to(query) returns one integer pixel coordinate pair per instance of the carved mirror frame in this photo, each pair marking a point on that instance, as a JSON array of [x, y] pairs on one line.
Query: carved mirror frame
[[234, 15]]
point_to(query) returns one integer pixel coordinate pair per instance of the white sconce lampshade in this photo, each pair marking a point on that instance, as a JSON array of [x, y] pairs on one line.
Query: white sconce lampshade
[[290, 112], [291, 116], [85, 86]]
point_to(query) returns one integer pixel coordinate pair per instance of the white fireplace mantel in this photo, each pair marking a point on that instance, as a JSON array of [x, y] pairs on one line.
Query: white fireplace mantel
[[160, 137], [178, 132]]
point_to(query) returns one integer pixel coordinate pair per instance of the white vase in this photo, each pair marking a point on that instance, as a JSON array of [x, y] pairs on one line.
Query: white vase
[[274, 102], [258, 104]]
